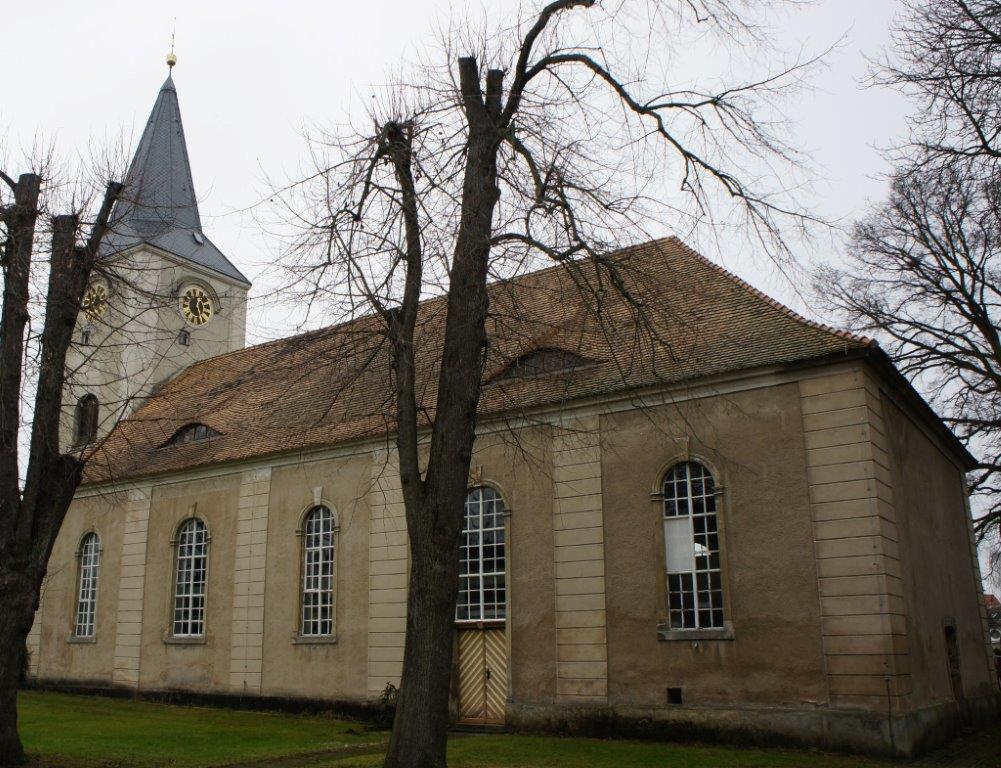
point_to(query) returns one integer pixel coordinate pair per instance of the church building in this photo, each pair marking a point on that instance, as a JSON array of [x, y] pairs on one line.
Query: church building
[[694, 512]]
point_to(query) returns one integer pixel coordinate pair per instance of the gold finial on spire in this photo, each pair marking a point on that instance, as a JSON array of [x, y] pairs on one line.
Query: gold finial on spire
[[171, 58]]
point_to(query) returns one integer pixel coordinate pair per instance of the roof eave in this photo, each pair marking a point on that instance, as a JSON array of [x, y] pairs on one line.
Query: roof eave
[[184, 261], [877, 358]]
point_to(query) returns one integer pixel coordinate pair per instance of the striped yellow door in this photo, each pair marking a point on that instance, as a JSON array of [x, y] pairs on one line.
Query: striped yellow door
[[482, 675], [472, 692], [495, 660]]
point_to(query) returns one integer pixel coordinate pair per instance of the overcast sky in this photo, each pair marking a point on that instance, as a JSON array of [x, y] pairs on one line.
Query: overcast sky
[[250, 76]]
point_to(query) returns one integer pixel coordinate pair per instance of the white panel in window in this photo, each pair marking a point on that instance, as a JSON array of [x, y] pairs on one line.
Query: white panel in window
[[678, 540]]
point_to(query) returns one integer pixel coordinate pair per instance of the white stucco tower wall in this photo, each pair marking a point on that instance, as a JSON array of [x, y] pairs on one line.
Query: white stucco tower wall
[[163, 295]]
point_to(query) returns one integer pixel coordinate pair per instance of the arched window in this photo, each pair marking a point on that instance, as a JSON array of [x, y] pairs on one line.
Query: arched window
[[191, 566], [317, 618], [85, 428], [89, 558], [482, 583], [691, 544], [191, 433]]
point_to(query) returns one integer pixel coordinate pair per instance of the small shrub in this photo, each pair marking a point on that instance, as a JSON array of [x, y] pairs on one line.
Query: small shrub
[[387, 705]]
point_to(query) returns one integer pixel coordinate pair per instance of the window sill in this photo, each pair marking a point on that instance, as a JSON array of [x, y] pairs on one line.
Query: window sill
[[666, 634], [171, 640], [314, 640], [74, 640]]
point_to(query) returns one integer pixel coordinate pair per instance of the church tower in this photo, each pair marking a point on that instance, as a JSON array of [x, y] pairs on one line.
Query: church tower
[[163, 296]]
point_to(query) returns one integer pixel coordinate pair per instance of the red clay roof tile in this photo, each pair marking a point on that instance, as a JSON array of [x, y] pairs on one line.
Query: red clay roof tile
[[687, 319]]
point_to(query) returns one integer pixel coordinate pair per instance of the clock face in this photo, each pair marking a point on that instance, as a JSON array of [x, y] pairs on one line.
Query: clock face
[[95, 300], [196, 305]]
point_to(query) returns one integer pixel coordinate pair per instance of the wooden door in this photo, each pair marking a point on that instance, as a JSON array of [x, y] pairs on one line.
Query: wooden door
[[482, 676]]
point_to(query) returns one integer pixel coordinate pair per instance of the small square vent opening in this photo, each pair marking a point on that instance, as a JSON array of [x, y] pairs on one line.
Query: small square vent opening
[[674, 696]]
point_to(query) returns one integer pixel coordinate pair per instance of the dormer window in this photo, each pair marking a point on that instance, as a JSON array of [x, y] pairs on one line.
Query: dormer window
[[191, 433], [543, 362]]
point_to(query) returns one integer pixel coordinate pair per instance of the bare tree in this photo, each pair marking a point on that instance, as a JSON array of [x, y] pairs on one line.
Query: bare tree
[[31, 514], [545, 154], [87, 308], [922, 274], [947, 57]]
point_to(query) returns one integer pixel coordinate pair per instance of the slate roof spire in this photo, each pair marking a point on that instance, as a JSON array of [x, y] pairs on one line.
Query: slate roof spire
[[158, 187], [158, 205]]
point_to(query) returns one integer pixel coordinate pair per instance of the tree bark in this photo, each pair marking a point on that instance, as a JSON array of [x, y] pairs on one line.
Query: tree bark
[[18, 600], [421, 723], [16, 612], [30, 518], [434, 506], [20, 589]]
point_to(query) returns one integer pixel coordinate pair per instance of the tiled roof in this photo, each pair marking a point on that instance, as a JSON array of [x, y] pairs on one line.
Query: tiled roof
[[685, 319], [158, 205]]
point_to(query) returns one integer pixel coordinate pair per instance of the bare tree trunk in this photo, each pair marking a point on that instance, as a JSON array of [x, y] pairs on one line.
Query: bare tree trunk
[[421, 724], [18, 600], [20, 588], [434, 507], [14, 590], [30, 518]]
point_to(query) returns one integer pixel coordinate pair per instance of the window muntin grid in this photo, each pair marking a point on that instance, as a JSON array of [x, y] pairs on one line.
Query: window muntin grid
[[691, 544], [482, 580], [86, 604], [189, 585], [317, 619]]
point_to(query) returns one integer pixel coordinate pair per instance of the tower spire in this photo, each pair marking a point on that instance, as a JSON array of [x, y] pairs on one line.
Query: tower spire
[[159, 190], [158, 205]]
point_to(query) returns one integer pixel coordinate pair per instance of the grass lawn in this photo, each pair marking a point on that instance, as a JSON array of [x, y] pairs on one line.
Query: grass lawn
[[512, 751], [93, 730], [66, 731]]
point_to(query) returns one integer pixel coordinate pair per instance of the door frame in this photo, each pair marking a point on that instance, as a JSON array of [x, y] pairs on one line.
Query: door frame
[[477, 481], [482, 626]]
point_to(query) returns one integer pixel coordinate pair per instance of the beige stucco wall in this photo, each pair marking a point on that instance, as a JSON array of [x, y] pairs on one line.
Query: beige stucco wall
[[838, 519], [939, 574], [754, 441], [855, 539], [58, 657], [201, 665], [318, 669]]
